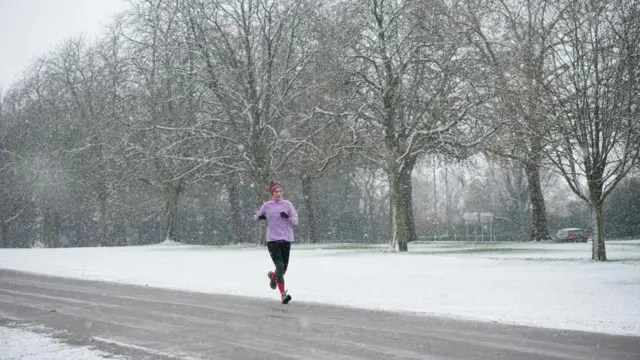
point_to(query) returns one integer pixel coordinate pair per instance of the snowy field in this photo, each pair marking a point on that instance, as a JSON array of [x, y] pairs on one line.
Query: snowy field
[[30, 343], [546, 285]]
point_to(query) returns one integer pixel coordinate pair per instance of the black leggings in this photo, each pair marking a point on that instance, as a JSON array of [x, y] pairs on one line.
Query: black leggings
[[279, 251]]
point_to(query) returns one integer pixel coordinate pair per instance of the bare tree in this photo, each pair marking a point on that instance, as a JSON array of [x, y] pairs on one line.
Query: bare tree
[[81, 76], [46, 130], [314, 151], [597, 128], [6, 163], [374, 187], [168, 142], [254, 56], [515, 40], [414, 77], [327, 132]]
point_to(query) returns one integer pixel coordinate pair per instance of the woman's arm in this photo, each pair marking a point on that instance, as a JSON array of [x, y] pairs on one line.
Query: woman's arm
[[259, 215], [293, 215]]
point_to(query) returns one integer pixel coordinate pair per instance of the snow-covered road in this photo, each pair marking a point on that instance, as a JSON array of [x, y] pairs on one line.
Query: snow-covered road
[[137, 322]]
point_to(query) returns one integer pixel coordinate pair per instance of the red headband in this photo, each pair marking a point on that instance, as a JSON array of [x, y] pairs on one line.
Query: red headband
[[274, 187]]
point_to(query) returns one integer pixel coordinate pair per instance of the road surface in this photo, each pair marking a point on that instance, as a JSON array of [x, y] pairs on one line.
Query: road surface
[[149, 323]]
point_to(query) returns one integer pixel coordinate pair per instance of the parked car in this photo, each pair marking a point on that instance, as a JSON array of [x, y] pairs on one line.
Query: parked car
[[571, 235]]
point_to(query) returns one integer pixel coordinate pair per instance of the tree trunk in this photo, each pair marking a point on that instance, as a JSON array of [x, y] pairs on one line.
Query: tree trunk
[[46, 225], [598, 251], [392, 212], [55, 230], [307, 193], [538, 210], [128, 233], [411, 224], [373, 231], [102, 209], [236, 215], [404, 230], [261, 179], [447, 204], [171, 210], [4, 230], [52, 225]]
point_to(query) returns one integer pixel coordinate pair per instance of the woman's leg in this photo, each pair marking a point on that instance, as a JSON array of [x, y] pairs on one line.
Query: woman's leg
[[279, 251], [285, 250], [275, 251]]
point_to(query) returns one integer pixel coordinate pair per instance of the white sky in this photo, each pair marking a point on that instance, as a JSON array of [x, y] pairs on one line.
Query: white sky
[[30, 28]]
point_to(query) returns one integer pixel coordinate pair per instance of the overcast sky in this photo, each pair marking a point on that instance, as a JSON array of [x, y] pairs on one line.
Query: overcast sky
[[30, 28]]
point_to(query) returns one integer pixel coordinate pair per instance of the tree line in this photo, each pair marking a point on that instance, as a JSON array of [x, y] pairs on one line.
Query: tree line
[[176, 119]]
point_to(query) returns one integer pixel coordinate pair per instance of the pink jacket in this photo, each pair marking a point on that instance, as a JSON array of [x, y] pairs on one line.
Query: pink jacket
[[278, 228]]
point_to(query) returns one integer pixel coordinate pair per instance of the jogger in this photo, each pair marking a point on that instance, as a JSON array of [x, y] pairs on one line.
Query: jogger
[[281, 216]]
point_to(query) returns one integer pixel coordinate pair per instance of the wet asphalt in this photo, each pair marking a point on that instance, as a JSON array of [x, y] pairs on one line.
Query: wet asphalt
[[140, 322]]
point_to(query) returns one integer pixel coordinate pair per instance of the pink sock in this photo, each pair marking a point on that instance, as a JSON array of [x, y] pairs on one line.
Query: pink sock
[[281, 287]]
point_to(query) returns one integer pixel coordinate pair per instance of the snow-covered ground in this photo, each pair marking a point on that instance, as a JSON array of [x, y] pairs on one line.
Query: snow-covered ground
[[548, 285], [30, 343]]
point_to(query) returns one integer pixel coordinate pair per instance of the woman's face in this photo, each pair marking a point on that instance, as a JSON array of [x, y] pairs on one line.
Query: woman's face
[[277, 194]]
